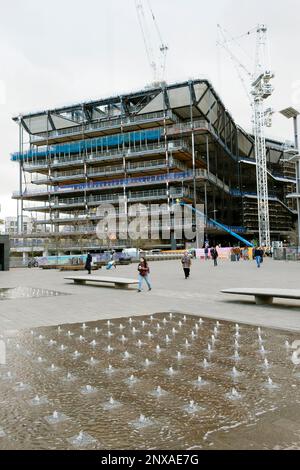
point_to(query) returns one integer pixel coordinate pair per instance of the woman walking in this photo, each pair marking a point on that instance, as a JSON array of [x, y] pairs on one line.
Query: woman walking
[[186, 264], [143, 269]]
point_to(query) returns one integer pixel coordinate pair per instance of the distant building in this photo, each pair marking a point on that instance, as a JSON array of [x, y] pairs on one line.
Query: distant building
[[11, 225]]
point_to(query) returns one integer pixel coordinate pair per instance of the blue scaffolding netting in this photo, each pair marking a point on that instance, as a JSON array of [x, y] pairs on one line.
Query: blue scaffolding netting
[[89, 144]]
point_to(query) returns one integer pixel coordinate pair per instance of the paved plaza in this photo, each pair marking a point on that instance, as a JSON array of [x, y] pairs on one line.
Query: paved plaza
[[199, 295], [81, 373]]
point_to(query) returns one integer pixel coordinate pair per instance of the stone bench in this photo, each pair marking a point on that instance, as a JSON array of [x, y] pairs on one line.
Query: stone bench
[[264, 296], [119, 282]]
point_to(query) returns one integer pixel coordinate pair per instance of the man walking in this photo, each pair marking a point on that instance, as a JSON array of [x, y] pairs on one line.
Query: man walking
[[214, 254], [258, 256], [88, 263], [186, 264]]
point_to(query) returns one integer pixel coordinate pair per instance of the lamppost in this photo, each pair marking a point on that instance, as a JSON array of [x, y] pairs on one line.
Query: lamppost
[[294, 113]]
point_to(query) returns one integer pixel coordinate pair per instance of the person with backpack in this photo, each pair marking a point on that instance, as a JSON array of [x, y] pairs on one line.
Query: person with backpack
[[214, 254], [144, 270], [186, 264]]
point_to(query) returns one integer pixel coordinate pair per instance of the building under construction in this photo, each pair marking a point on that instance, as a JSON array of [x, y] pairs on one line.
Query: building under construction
[[157, 145]]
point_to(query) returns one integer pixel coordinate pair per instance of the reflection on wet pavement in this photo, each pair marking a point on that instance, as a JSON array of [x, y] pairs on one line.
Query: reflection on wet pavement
[[11, 293]]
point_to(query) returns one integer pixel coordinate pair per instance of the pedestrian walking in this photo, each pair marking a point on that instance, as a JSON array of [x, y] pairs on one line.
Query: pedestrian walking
[[88, 263], [144, 270], [258, 256], [186, 264], [206, 252], [214, 254]]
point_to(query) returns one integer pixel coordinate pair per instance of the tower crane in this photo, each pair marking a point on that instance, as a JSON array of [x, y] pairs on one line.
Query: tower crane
[[156, 62], [258, 88]]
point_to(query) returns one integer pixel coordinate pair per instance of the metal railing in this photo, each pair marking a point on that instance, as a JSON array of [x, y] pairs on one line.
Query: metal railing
[[154, 179], [109, 170], [108, 123], [188, 127], [106, 155]]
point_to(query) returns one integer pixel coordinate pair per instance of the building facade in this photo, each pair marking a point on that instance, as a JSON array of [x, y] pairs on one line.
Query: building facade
[[159, 145]]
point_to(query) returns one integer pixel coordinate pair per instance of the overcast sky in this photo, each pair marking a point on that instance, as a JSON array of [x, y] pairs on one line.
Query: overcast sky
[[64, 51]]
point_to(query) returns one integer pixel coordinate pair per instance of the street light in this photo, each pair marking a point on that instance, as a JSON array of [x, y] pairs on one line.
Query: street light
[[294, 113]]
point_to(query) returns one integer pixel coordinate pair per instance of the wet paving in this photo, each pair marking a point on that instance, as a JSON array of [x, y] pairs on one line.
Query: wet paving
[[11, 293], [167, 381]]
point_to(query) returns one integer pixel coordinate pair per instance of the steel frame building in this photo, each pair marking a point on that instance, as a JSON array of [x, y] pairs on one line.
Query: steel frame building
[[159, 144]]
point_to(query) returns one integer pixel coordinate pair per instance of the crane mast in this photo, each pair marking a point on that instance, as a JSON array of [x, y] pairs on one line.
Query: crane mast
[[260, 89], [158, 65]]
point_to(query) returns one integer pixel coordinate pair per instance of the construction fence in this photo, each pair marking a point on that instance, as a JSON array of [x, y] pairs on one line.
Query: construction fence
[[287, 254]]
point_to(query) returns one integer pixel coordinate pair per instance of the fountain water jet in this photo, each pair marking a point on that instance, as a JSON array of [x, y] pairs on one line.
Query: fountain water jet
[[88, 389], [192, 407], [205, 363], [37, 400], [56, 418], [233, 394], [236, 355], [142, 422], [81, 440]]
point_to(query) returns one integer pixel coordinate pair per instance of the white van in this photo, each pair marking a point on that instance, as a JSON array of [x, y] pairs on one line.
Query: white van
[[132, 252]]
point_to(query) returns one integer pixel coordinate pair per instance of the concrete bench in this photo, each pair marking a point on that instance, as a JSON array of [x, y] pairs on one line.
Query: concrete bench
[[264, 296], [119, 282]]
